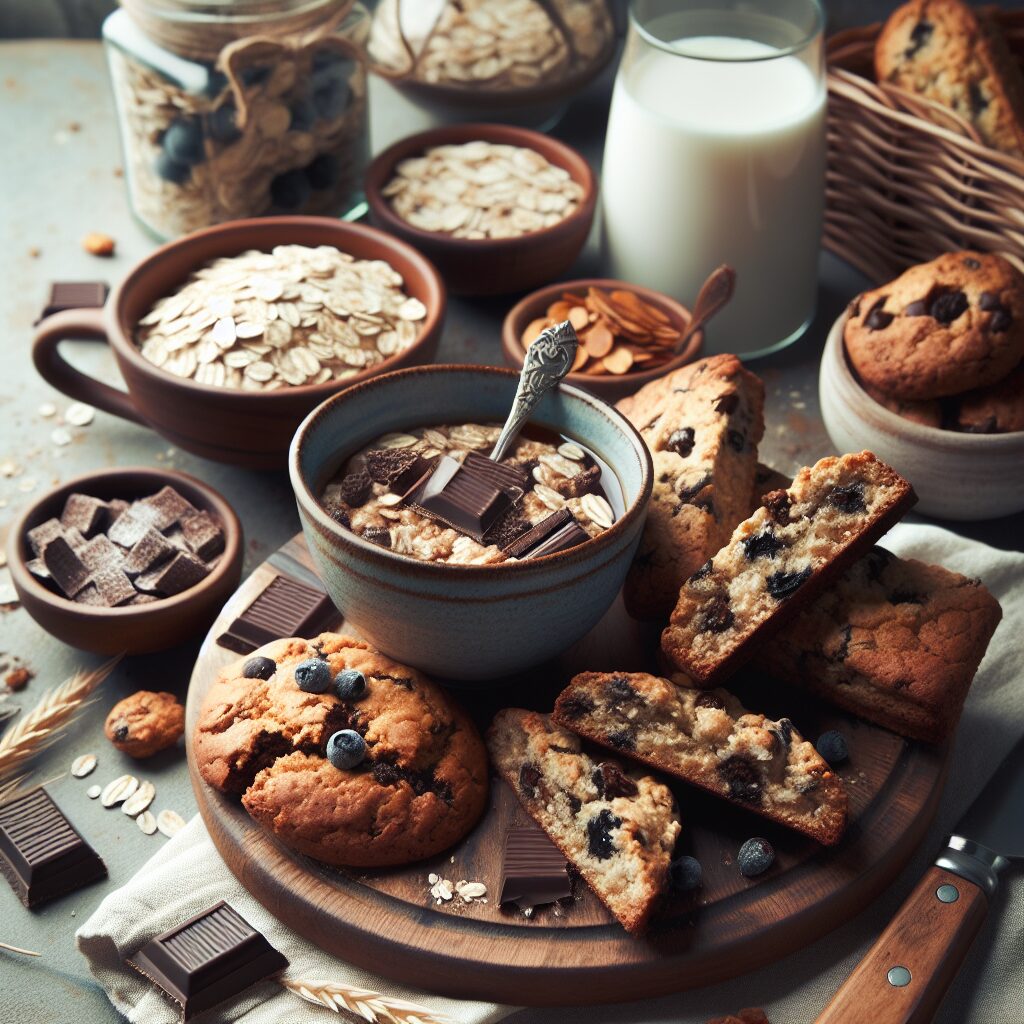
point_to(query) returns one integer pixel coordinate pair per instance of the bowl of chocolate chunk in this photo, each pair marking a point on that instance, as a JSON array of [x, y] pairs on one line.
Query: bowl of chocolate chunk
[[928, 372], [498, 209], [126, 560], [467, 566], [228, 337]]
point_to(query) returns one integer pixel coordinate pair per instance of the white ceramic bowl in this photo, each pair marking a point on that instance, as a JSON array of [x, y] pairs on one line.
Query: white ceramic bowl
[[956, 476]]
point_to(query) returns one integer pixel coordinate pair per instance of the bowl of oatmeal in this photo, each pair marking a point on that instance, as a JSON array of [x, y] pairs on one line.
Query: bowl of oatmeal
[[497, 209], [467, 568]]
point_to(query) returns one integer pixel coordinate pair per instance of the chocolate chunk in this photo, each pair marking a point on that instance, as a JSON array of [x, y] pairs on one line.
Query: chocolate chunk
[[212, 957], [1001, 319], [507, 530], [917, 308], [397, 468], [85, 514], [977, 99], [778, 504], [151, 549], [379, 535], [42, 855], [708, 700], [529, 780], [742, 778], [687, 493], [74, 295], [878, 319], [41, 535], [355, 488], [919, 36], [458, 497], [533, 870], [164, 509], [90, 595], [681, 441], [717, 616], [100, 554], [130, 527], [848, 498], [948, 306], [531, 535], [762, 545], [286, 607], [69, 572], [502, 474], [203, 535], [737, 442], [181, 573], [611, 781], [622, 739], [341, 517], [727, 403], [599, 834], [113, 586], [702, 573], [568, 535], [621, 690], [576, 705], [784, 584], [116, 507]]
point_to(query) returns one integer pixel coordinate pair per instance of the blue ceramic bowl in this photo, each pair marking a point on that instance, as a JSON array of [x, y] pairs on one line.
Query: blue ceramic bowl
[[466, 622]]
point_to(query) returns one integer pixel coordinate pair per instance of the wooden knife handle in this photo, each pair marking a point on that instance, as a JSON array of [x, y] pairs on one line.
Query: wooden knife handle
[[904, 976]]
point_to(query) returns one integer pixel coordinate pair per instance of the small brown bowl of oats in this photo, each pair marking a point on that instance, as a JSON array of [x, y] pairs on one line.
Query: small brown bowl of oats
[[498, 209], [228, 337]]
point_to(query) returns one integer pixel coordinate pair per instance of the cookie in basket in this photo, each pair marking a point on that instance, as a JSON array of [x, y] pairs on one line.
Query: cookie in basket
[[343, 754]]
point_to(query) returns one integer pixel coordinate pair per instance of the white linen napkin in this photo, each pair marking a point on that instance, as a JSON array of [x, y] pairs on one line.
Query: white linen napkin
[[188, 875]]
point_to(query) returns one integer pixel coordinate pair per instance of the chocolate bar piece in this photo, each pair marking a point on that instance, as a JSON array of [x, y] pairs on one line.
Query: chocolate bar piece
[[501, 474], [183, 571], [149, 551], [75, 295], [164, 508], [113, 586], [459, 498], [130, 527], [212, 957], [90, 594], [285, 608], [203, 535], [398, 469], [69, 572], [41, 535], [41, 853], [557, 532], [85, 514], [534, 871], [565, 537], [100, 554]]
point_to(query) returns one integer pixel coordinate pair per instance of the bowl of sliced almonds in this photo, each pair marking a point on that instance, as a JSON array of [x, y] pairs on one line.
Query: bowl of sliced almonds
[[628, 335]]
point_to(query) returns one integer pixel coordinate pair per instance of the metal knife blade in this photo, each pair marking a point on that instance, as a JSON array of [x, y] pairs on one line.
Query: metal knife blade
[[996, 818]]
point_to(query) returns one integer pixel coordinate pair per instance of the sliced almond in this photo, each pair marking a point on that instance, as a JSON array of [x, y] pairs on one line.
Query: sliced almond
[[599, 340], [139, 800], [578, 317], [82, 766], [169, 822], [619, 360]]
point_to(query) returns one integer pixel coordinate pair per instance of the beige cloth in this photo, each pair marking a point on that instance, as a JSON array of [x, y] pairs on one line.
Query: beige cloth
[[188, 875]]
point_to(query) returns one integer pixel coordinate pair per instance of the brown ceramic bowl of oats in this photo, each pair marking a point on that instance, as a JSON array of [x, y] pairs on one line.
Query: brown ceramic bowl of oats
[[498, 209], [227, 338]]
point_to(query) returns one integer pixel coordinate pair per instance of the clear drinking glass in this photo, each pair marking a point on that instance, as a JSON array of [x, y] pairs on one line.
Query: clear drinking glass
[[716, 154]]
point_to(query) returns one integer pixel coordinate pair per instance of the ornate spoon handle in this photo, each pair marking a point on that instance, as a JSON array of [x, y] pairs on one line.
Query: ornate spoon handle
[[547, 361]]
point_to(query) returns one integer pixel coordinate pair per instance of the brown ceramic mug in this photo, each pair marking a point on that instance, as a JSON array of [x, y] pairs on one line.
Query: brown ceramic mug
[[245, 428]]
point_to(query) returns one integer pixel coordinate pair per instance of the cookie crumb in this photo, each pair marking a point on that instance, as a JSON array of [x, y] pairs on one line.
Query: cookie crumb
[[18, 678]]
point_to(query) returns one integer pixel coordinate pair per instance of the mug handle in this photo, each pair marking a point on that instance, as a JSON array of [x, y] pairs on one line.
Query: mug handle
[[56, 370]]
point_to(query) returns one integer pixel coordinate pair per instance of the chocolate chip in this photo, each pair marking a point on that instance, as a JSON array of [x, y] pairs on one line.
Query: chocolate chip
[[575, 803], [918, 308], [948, 306], [742, 779], [878, 319], [355, 488], [702, 573], [341, 517], [778, 504], [717, 616], [848, 498], [978, 102], [379, 535], [762, 545], [599, 834], [121, 733], [621, 689], [736, 440], [971, 263], [919, 36], [576, 705], [906, 597], [529, 778], [785, 728], [621, 739], [989, 302], [708, 700], [385, 465], [611, 781], [681, 441], [784, 584], [1001, 319], [687, 494], [727, 403]]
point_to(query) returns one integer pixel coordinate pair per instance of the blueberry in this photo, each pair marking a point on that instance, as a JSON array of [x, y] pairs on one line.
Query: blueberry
[[755, 857], [221, 124], [313, 676], [323, 171], [215, 83], [346, 749], [832, 746], [686, 873], [331, 98], [259, 668], [171, 170], [351, 684], [183, 141], [303, 115], [290, 190]]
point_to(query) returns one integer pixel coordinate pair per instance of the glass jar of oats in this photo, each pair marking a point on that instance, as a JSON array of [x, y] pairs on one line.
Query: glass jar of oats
[[239, 108]]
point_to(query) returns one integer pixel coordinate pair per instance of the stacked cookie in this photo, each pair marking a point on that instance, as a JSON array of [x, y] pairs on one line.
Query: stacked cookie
[[943, 344]]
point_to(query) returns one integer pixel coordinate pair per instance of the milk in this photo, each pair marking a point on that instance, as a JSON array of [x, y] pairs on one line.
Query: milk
[[712, 161]]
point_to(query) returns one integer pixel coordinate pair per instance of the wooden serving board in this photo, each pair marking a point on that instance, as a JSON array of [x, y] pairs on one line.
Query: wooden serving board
[[387, 922]]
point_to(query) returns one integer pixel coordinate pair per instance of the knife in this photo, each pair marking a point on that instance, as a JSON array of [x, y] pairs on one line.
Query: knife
[[906, 973]]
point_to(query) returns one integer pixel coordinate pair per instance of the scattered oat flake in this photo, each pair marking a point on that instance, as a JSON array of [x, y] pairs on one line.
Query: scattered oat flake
[[470, 891], [78, 414], [84, 765], [9, 468], [147, 823], [119, 790], [26, 485], [93, 791], [139, 800], [61, 437], [169, 822], [47, 409]]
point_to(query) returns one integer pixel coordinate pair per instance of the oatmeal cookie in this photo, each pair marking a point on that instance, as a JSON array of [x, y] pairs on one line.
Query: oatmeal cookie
[[707, 738], [779, 559], [145, 723], [616, 826], [998, 409], [940, 328], [702, 424], [947, 52], [894, 641], [276, 727]]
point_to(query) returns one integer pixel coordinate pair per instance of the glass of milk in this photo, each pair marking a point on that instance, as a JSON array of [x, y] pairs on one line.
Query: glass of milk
[[716, 154]]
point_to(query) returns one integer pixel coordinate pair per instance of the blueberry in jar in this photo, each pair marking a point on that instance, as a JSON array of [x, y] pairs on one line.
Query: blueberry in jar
[[170, 170], [290, 190], [350, 684], [221, 124], [323, 171], [756, 856], [183, 141], [303, 115], [331, 97], [313, 676], [346, 749]]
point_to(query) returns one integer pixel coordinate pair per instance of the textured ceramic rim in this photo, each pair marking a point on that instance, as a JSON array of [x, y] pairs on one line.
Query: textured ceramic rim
[[212, 502], [884, 419], [122, 342], [382, 167], [311, 507]]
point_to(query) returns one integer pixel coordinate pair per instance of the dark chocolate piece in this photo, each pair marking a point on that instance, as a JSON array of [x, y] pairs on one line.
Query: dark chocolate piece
[[285, 608], [85, 514], [69, 572], [398, 469], [533, 869], [41, 535], [90, 594], [149, 551], [568, 535], [164, 509], [502, 474], [74, 295], [203, 535], [538, 532], [99, 554], [459, 498], [130, 527], [113, 586], [182, 572], [212, 957], [41, 853]]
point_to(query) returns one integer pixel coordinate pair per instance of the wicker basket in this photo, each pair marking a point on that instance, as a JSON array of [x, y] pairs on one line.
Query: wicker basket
[[907, 178]]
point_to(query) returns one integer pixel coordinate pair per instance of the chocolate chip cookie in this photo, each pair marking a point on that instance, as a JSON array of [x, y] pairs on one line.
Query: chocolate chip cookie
[[707, 738], [702, 424], [956, 56], [998, 409], [617, 826], [893, 640], [342, 753], [145, 723], [940, 328]]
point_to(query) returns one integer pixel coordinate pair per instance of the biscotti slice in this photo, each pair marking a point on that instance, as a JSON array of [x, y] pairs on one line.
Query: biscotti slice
[[779, 559], [702, 424], [616, 826], [956, 56], [707, 738], [893, 640]]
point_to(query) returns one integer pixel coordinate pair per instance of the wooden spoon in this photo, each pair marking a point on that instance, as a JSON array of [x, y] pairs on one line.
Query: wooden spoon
[[714, 294]]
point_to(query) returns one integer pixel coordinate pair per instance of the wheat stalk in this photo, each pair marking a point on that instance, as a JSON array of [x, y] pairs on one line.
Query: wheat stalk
[[371, 1006], [17, 949], [47, 720]]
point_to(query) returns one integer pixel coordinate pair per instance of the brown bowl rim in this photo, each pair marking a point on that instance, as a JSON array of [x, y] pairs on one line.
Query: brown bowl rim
[[415, 566], [211, 500], [436, 305], [521, 313], [898, 425], [381, 167]]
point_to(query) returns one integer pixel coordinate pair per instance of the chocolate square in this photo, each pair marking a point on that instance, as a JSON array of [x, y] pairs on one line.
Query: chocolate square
[[460, 498], [557, 532], [129, 528], [85, 514], [534, 871], [75, 295], [90, 594], [501, 474], [203, 535], [113, 586], [182, 572], [286, 607], [164, 508], [116, 507], [69, 572], [149, 551], [41, 535], [99, 554]]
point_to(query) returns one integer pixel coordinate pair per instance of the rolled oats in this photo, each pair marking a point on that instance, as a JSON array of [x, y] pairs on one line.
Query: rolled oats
[[293, 316]]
